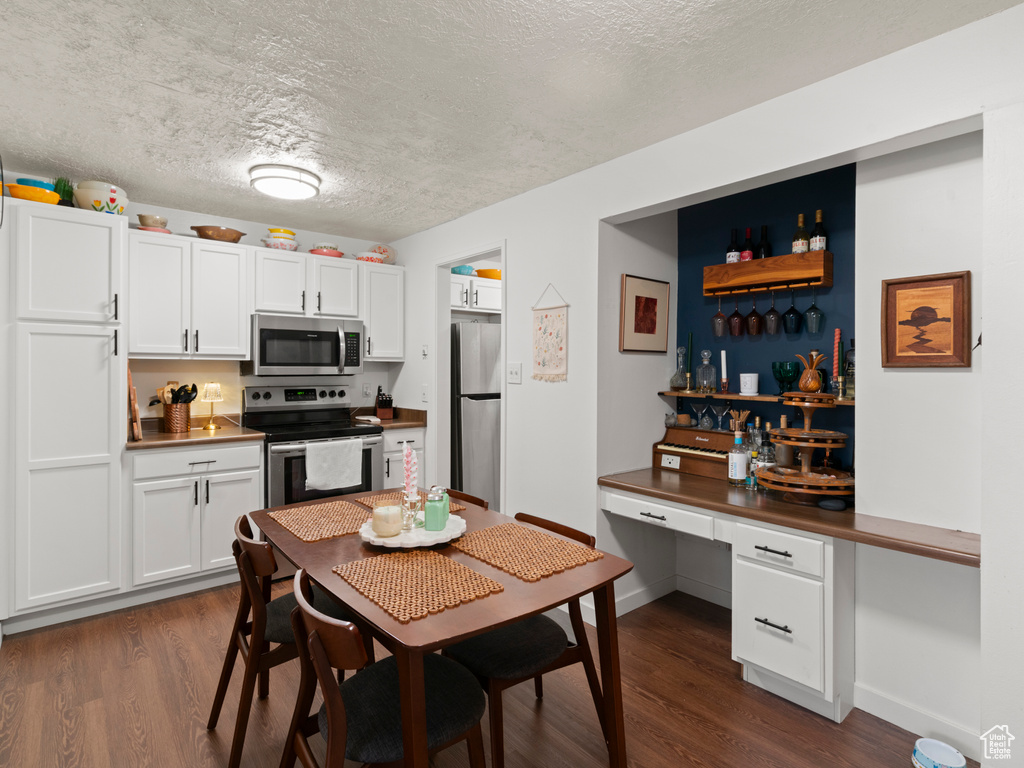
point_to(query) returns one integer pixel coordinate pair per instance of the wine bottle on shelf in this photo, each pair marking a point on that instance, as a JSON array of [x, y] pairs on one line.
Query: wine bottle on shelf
[[738, 462], [732, 255], [747, 250], [819, 240], [849, 371], [801, 240], [764, 248]]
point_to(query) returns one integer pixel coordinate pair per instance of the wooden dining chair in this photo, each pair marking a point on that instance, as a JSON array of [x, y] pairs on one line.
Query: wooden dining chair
[[460, 496], [270, 624], [527, 649], [361, 718]]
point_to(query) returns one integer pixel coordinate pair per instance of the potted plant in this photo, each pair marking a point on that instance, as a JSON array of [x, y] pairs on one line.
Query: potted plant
[[63, 187]]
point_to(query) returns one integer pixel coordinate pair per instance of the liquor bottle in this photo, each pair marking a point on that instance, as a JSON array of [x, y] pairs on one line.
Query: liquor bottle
[[848, 371], [738, 462], [732, 255], [767, 452], [784, 453], [764, 248], [747, 250], [801, 240], [819, 240]]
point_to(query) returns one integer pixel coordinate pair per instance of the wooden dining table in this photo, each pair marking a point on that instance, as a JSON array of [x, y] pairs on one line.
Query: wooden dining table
[[409, 642]]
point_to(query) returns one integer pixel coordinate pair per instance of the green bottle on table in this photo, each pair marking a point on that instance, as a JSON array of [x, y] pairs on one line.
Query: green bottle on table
[[435, 513]]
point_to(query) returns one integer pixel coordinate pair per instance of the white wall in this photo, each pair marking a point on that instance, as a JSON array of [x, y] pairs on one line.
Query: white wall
[[551, 235]]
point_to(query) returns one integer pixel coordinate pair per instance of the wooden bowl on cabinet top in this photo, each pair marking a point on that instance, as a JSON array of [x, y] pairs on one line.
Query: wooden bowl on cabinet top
[[221, 234]]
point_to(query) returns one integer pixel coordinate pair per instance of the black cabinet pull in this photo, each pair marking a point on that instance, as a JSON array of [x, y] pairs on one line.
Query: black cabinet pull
[[206, 461], [476, 298], [303, 301], [656, 517], [771, 551], [115, 306], [186, 339], [207, 490], [387, 467], [195, 494], [115, 342], [195, 342], [318, 301], [367, 345], [767, 623]]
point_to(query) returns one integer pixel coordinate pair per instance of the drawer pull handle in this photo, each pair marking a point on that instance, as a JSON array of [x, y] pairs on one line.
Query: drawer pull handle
[[771, 551], [656, 517], [207, 461], [767, 623]]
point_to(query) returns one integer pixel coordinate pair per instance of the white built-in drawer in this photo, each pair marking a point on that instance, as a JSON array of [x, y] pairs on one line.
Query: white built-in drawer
[[393, 439], [795, 646], [683, 520], [784, 550], [196, 461]]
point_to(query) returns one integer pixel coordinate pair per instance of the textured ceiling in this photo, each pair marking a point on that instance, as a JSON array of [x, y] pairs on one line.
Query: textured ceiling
[[414, 113]]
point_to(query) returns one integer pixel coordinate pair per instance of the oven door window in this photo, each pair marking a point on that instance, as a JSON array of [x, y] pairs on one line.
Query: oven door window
[[284, 348], [295, 481]]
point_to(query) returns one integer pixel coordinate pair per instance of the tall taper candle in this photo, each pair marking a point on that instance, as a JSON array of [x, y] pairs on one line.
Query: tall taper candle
[[836, 355], [725, 373], [689, 350]]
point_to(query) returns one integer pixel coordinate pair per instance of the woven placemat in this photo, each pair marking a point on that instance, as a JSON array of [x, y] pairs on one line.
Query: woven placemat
[[412, 585], [321, 521], [396, 497], [525, 553]]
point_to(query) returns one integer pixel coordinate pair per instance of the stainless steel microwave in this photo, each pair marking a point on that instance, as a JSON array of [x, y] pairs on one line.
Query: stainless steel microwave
[[304, 346]]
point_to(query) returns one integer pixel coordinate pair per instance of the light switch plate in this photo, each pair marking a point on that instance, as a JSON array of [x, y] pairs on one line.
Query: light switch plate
[[367, 390], [424, 394], [515, 373]]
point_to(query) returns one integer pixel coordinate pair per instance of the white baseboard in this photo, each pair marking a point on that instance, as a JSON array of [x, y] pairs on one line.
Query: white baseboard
[[917, 721], [709, 592], [631, 601], [45, 618]]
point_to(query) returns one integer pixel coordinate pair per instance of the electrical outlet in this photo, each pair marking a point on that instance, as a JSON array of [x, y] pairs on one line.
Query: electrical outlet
[[367, 390], [426, 351], [423, 393], [669, 462], [515, 373]]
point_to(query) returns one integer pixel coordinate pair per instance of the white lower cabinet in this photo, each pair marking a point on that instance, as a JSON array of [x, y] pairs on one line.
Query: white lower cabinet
[[394, 470], [184, 506]]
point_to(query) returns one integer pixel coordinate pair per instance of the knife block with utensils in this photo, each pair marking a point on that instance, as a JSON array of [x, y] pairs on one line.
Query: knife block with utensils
[[385, 409], [177, 417]]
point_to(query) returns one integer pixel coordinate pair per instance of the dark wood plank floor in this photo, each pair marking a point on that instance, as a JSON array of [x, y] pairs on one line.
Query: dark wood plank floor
[[133, 689]]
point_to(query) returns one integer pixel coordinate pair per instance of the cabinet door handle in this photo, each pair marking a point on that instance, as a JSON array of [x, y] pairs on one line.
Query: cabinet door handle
[[195, 342], [465, 299], [115, 342], [771, 551], [195, 494], [115, 306], [318, 301], [303, 301], [656, 517], [767, 623], [207, 490], [387, 467], [186, 339], [367, 345], [206, 461], [476, 298]]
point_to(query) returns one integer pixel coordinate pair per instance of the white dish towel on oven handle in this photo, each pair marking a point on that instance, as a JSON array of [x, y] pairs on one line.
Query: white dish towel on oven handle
[[334, 464]]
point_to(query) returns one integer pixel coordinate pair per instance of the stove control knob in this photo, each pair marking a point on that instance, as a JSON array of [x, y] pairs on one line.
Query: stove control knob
[[255, 395], [267, 395], [341, 393], [323, 393], [332, 393]]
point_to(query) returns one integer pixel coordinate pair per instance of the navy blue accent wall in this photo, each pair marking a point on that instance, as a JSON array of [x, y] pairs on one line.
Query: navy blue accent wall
[[703, 240]]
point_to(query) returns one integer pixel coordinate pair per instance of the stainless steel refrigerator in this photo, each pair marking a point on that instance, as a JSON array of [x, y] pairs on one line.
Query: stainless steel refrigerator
[[476, 409]]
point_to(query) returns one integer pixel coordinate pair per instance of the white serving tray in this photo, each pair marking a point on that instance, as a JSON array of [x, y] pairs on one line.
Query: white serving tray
[[417, 537]]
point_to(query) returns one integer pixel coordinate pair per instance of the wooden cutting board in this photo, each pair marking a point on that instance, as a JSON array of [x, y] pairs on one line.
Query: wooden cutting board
[[134, 420]]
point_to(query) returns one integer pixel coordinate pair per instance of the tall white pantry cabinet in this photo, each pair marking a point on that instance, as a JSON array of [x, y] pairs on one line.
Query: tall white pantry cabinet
[[68, 417]]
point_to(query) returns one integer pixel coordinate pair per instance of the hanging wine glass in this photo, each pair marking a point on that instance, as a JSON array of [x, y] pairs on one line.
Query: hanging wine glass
[[814, 317], [792, 318], [772, 319], [718, 322], [736, 321], [755, 320]]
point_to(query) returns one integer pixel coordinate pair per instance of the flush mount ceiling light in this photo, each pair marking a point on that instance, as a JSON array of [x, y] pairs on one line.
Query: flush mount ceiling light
[[284, 181]]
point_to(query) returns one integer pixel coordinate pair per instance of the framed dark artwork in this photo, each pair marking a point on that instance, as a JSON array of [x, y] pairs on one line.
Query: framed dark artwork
[[643, 315], [926, 321]]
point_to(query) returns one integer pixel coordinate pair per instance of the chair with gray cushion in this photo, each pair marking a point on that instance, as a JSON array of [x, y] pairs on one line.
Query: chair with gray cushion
[[270, 624], [528, 649], [361, 718]]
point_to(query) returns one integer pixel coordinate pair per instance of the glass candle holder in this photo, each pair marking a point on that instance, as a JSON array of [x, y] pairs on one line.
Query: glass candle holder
[[410, 509], [387, 518]]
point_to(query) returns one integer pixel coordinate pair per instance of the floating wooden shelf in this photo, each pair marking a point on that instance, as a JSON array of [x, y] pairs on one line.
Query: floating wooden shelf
[[794, 270], [739, 397]]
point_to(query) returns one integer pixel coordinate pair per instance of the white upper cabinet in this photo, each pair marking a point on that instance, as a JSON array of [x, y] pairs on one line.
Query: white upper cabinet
[[301, 284], [476, 294], [187, 298], [69, 263], [383, 311], [460, 291]]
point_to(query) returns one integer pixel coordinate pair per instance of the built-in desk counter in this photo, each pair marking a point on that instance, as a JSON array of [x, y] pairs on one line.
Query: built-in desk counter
[[716, 495]]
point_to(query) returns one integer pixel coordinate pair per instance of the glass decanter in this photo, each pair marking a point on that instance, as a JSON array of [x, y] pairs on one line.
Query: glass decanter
[[707, 374], [678, 380]]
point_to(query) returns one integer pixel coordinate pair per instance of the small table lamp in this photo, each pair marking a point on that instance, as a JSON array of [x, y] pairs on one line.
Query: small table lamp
[[211, 395]]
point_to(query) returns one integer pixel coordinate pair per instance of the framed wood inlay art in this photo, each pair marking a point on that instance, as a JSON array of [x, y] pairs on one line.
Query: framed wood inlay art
[[643, 315], [926, 321]]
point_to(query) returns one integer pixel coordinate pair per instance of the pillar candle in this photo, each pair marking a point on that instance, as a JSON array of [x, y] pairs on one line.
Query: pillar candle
[[725, 373], [689, 350]]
